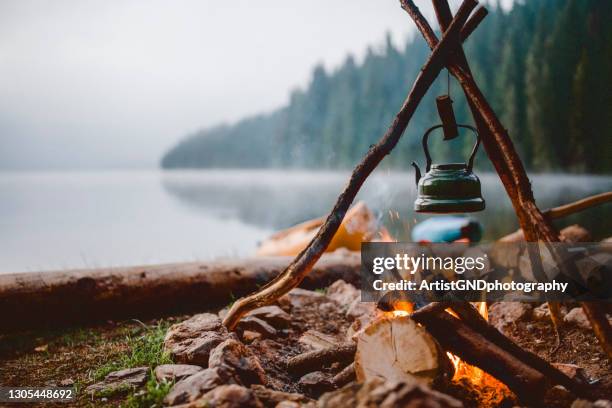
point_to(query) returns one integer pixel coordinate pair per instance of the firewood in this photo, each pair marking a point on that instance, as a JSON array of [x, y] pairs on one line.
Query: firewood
[[314, 360], [39, 299], [345, 376], [397, 349], [455, 336], [470, 316]]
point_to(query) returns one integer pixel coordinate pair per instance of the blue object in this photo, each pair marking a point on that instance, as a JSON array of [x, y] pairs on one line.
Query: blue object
[[447, 229]]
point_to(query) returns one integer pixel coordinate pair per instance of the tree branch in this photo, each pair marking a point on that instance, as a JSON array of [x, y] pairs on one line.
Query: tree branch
[[303, 263]]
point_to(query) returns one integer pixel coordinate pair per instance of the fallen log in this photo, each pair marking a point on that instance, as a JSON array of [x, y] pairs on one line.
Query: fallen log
[[396, 349], [51, 299], [314, 360], [455, 336]]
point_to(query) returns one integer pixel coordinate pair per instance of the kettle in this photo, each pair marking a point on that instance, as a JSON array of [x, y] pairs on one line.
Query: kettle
[[448, 188]]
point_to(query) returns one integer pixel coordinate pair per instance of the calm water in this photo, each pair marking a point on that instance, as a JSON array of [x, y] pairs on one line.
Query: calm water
[[67, 220]]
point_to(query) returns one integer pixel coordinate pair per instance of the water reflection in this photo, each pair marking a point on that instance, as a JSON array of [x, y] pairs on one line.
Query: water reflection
[[278, 199]]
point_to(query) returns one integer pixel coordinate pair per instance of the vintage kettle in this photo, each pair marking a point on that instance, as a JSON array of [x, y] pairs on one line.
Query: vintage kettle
[[448, 188]]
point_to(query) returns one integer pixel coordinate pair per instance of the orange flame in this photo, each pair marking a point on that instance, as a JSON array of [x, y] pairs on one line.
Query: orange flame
[[464, 370]]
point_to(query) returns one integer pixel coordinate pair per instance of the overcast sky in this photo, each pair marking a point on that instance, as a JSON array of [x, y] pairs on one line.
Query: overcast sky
[[98, 84]]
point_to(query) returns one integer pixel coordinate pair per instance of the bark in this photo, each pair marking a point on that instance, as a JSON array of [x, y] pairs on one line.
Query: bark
[[41, 299], [470, 316], [455, 336], [305, 261], [314, 360]]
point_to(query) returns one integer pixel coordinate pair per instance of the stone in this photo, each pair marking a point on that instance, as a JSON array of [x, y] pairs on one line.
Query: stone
[[577, 317], [588, 404], [343, 293], [501, 314], [255, 324], [273, 315], [228, 396], [250, 336], [241, 361], [271, 397], [175, 372], [572, 371], [541, 312], [196, 385], [67, 382], [191, 341], [128, 378], [315, 383], [378, 393], [315, 340], [299, 297]]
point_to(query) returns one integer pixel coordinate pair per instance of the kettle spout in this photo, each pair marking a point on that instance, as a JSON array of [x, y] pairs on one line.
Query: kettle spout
[[417, 172]]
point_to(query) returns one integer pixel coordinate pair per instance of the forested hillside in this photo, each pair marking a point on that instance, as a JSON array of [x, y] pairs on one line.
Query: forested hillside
[[546, 66]]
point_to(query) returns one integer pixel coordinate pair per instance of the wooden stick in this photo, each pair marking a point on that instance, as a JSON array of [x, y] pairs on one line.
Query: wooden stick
[[599, 322], [345, 376], [314, 360], [470, 316], [457, 337], [304, 262], [577, 206], [469, 27]]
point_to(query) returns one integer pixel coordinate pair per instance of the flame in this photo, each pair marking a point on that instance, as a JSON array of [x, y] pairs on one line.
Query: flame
[[462, 369]]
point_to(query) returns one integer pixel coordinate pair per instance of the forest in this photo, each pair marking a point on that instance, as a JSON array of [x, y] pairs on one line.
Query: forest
[[545, 65]]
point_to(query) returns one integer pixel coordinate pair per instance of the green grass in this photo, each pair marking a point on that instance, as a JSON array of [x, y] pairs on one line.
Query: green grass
[[151, 397], [145, 349], [322, 291]]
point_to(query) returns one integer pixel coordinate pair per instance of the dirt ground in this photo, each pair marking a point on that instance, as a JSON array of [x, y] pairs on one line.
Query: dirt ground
[[48, 358]]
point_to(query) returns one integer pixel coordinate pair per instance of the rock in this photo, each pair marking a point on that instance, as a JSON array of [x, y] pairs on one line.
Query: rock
[[343, 293], [378, 393], [577, 317], [250, 336], [576, 233], [236, 357], [128, 378], [272, 398], [191, 341], [67, 382], [254, 324], [502, 314], [315, 383], [195, 386], [175, 372], [299, 297], [359, 310], [272, 315], [315, 340], [231, 396], [541, 312], [588, 404], [572, 371]]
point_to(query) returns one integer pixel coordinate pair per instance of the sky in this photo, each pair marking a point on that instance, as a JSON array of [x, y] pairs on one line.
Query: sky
[[92, 84]]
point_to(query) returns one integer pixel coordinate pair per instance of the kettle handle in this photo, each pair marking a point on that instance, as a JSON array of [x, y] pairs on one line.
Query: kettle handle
[[470, 162]]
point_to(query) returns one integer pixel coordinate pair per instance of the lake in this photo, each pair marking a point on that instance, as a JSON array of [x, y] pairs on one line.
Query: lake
[[59, 220]]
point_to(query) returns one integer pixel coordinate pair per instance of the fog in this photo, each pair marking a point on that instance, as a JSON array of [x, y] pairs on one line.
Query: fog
[[112, 84]]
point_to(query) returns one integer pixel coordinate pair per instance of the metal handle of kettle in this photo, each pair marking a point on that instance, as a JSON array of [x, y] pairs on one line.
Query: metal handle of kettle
[[470, 162]]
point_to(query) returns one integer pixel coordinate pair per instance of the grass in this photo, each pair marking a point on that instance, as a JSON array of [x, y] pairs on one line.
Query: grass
[[145, 348], [151, 397]]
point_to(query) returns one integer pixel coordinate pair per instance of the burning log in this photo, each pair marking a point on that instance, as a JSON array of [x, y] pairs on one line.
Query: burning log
[[314, 360], [457, 337], [470, 316], [397, 349]]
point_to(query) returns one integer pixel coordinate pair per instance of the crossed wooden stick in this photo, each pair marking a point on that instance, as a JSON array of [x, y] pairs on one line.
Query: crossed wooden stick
[[447, 52]]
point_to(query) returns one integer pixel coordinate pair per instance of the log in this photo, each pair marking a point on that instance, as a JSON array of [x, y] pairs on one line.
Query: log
[[470, 316], [396, 349], [314, 360], [345, 376], [455, 336], [51, 299]]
